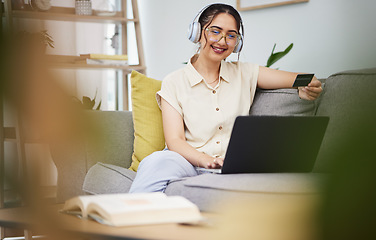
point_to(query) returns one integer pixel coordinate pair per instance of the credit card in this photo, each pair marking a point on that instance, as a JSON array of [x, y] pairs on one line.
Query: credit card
[[303, 80]]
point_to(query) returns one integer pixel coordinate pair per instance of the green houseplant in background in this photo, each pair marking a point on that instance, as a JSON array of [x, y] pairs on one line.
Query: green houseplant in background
[[274, 57], [88, 103], [41, 37]]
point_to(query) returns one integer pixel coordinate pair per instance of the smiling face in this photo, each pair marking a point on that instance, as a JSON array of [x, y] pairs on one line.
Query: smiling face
[[222, 25]]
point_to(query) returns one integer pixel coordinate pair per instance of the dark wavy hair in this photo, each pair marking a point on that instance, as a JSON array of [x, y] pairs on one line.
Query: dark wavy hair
[[213, 10]]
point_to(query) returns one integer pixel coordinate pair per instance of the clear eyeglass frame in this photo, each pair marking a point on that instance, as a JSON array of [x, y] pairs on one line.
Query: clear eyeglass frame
[[216, 35]]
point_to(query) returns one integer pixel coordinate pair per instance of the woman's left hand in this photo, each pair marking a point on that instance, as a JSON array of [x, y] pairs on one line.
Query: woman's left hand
[[312, 91]]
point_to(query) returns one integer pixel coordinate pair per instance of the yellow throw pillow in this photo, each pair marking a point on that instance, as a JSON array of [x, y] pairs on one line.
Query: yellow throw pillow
[[147, 118]]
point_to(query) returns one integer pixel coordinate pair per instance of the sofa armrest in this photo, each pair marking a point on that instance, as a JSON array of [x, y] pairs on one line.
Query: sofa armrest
[[348, 99], [109, 140], [113, 141], [70, 161]]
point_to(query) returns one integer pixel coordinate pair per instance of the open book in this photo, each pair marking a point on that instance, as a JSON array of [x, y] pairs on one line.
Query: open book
[[134, 209]]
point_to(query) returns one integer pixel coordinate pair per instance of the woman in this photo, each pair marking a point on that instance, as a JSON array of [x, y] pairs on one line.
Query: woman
[[200, 102]]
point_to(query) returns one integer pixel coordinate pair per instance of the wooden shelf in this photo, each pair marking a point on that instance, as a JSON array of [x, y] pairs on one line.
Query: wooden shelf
[[72, 62], [128, 68], [68, 14]]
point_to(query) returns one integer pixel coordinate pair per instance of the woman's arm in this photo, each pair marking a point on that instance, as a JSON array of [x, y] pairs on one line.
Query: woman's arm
[[173, 127], [273, 79]]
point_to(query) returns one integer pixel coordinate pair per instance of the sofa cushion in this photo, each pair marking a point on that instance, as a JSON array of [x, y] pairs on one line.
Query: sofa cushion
[[147, 118], [107, 178], [209, 190], [282, 102]]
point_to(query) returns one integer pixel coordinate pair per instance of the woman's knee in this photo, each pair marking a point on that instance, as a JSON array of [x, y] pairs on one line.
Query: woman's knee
[[154, 159], [159, 168], [165, 159]]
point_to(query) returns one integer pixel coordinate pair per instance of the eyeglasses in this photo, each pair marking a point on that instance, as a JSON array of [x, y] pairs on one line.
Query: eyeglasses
[[215, 35]]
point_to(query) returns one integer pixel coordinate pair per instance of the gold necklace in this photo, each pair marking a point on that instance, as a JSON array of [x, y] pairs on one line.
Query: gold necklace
[[213, 81]]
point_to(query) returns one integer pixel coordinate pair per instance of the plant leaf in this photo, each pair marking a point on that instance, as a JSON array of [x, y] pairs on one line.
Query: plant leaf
[[274, 57], [87, 103], [99, 105], [273, 49]]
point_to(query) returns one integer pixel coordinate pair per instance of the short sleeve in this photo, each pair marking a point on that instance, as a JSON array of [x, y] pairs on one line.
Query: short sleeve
[[169, 93], [252, 70]]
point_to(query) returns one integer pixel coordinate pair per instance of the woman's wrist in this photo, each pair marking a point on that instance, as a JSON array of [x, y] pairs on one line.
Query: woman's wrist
[[198, 162], [209, 162], [204, 160]]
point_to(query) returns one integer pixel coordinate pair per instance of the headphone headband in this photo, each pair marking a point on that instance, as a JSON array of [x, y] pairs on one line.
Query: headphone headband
[[194, 30]]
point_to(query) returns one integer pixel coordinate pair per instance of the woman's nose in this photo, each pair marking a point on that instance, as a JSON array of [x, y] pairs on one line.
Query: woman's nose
[[223, 37]]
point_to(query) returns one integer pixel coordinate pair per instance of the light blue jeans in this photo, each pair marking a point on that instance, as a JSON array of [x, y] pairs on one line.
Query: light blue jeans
[[158, 169]]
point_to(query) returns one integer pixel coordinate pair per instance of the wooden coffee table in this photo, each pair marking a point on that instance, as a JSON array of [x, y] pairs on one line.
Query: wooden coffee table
[[53, 224], [264, 216]]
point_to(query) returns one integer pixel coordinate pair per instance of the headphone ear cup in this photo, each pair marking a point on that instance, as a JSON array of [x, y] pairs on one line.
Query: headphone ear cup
[[239, 46], [194, 32]]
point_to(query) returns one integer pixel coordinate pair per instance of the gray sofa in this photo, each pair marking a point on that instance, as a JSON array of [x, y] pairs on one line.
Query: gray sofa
[[103, 169]]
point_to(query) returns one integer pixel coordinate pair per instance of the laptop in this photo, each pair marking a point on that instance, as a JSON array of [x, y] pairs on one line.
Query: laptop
[[274, 144]]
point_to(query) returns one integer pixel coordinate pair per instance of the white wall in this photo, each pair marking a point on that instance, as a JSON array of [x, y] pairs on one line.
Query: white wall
[[328, 36]]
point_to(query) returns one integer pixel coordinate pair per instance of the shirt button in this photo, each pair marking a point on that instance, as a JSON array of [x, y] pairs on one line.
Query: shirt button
[[217, 109], [220, 127], [214, 91], [218, 142]]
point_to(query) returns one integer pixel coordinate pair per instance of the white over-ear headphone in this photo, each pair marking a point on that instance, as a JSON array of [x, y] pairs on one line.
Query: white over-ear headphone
[[194, 30]]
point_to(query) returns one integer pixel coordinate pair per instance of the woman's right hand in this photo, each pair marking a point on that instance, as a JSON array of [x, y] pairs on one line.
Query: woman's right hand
[[213, 162]]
